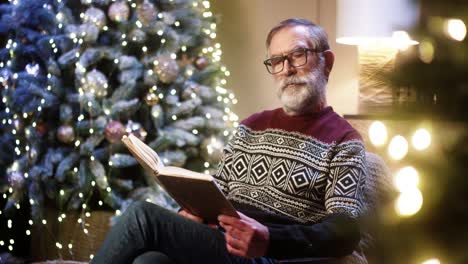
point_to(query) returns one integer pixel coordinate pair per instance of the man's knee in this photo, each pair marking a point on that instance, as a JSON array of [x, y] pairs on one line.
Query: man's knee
[[143, 209], [152, 257], [139, 207]]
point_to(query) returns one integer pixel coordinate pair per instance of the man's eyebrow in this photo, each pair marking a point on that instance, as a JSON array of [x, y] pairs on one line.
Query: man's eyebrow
[[289, 51]]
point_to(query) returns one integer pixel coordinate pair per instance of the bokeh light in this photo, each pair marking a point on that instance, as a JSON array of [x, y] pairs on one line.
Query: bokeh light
[[456, 29], [406, 179], [398, 147], [378, 133], [426, 51], [432, 261], [409, 202], [421, 139], [401, 40]]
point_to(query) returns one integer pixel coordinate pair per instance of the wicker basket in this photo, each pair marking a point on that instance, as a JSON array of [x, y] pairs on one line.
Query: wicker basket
[[69, 231]]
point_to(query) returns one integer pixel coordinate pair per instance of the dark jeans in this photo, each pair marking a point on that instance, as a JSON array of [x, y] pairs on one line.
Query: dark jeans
[[147, 233]]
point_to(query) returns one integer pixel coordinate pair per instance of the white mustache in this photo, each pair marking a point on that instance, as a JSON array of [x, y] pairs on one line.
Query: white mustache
[[293, 80]]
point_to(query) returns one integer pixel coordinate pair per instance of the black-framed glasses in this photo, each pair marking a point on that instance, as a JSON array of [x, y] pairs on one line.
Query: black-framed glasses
[[296, 58]]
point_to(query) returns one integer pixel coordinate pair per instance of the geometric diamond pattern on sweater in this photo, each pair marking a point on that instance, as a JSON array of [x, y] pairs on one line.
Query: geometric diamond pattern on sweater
[[259, 170], [292, 174], [279, 172]]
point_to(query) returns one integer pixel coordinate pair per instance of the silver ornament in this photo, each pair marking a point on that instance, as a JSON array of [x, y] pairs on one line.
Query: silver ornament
[[16, 179], [167, 69], [95, 83], [146, 13], [119, 11], [168, 18], [114, 131], [95, 16], [65, 134], [32, 154], [137, 35], [19, 125], [33, 69], [91, 32]]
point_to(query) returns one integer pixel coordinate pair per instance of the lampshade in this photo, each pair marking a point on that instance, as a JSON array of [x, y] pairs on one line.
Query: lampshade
[[360, 22]]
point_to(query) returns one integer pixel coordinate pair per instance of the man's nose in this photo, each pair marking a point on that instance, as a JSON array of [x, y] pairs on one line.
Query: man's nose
[[289, 69]]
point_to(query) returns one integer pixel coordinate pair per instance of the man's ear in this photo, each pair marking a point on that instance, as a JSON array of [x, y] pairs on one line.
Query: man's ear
[[329, 60]]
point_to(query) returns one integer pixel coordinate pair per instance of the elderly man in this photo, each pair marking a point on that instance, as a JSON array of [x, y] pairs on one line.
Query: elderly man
[[296, 175]]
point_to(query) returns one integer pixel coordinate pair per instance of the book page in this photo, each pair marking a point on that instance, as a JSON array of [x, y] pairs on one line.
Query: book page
[[143, 153], [181, 172]]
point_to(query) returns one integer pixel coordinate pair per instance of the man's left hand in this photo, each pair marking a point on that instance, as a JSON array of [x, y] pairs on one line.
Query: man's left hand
[[245, 237]]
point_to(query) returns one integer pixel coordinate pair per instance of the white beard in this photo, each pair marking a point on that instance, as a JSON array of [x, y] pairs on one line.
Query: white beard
[[307, 91]]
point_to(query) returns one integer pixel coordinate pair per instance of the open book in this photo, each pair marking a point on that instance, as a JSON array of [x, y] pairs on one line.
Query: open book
[[193, 191]]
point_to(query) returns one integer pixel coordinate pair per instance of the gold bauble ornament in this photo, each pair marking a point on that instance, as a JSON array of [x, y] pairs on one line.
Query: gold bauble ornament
[[151, 99]]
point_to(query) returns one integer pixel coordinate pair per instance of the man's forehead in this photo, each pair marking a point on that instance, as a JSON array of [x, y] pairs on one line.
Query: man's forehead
[[288, 39]]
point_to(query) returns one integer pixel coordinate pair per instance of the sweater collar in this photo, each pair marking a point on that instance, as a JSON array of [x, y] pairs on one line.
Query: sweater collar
[[305, 116]]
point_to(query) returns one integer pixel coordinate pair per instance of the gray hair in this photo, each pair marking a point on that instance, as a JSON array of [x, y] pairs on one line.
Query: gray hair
[[318, 36]]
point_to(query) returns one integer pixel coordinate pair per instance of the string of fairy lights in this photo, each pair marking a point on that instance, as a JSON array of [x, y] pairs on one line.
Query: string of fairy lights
[[11, 46], [212, 52]]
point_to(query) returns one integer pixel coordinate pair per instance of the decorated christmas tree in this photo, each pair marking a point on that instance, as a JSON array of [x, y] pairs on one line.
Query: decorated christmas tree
[[434, 74], [76, 76]]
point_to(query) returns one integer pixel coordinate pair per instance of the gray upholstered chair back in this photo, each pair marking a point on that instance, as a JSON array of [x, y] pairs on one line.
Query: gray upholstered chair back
[[379, 194], [378, 191], [379, 181]]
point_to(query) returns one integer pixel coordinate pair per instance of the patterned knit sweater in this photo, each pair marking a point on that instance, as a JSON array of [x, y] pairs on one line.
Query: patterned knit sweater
[[302, 177]]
